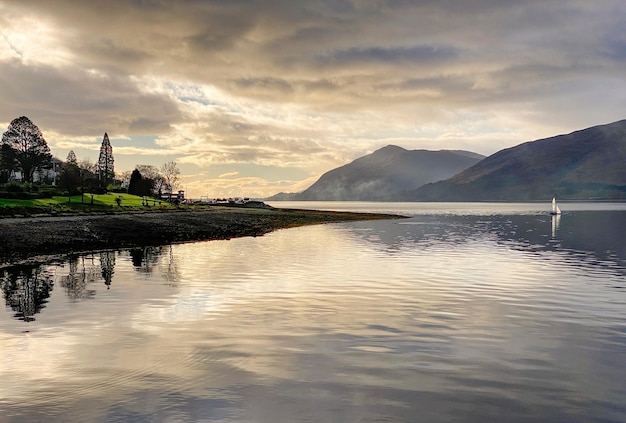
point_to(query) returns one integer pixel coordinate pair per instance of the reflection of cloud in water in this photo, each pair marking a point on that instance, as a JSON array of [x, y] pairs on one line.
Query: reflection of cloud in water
[[330, 316], [586, 237]]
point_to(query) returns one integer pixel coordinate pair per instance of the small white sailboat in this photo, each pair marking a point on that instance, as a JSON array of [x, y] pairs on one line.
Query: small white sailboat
[[555, 208]]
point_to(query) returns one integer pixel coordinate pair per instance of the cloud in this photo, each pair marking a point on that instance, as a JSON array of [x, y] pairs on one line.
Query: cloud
[[228, 175], [76, 102], [309, 85], [390, 57], [254, 187]]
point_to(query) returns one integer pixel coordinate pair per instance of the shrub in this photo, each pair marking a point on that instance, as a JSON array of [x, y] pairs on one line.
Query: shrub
[[14, 187], [20, 195], [45, 194], [50, 191]]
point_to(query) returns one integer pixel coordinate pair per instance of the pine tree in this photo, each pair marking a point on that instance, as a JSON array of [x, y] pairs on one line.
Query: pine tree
[[71, 158], [105, 162]]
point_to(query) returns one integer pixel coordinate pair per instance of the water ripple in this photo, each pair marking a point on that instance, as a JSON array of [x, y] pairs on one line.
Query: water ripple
[[446, 316]]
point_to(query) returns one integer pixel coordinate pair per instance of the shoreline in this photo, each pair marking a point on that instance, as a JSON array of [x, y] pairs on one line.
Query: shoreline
[[25, 239]]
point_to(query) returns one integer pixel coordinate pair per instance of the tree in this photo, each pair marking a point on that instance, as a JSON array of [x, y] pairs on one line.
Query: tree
[[7, 162], [135, 186], [170, 174], [105, 163], [153, 180], [71, 158], [70, 178], [29, 147], [88, 180], [124, 178]]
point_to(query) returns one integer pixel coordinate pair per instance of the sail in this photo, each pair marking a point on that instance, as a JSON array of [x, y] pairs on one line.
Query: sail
[[555, 207]]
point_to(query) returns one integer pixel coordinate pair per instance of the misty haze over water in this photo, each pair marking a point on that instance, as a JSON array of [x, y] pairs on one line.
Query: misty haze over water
[[464, 312]]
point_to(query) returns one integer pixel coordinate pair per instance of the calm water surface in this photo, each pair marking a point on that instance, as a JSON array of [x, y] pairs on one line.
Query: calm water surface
[[461, 313]]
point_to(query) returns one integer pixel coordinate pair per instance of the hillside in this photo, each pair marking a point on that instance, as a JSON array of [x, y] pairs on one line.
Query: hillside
[[382, 175], [586, 164]]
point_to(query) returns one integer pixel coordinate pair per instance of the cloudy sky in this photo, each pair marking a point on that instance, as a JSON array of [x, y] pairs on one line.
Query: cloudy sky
[[254, 97]]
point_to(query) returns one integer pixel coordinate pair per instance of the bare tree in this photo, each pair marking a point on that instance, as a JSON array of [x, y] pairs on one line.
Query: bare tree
[[31, 152], [87, 176], [88, 165], [124, 177], [171, 175]]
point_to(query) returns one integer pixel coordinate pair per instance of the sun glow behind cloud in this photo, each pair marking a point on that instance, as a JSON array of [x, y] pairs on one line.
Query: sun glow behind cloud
[[30, 40]]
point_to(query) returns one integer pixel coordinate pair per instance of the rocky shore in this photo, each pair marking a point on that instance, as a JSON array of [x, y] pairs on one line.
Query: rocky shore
[[34, 238]]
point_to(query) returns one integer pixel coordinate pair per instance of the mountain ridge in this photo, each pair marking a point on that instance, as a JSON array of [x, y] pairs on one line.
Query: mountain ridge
[[385, 174], [584, 164]]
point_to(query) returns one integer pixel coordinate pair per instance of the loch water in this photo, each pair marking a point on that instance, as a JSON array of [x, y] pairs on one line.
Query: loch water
[[462, 312]]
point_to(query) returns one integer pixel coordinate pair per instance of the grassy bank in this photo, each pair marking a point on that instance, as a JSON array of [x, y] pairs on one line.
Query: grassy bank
[[79, 204]]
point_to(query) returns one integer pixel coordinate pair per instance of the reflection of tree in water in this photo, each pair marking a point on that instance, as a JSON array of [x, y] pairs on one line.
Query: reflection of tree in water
[[82, 272], [26, 289], [107, 266], [144, 259], [170, 269]]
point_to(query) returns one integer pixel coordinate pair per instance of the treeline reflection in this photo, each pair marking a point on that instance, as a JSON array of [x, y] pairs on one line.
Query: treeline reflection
[[26, 288]]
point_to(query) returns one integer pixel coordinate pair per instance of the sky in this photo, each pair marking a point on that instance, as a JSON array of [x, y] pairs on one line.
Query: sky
[[256, 97]]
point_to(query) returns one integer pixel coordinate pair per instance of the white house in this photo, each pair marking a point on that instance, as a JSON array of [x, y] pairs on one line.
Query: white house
[[43, 175]]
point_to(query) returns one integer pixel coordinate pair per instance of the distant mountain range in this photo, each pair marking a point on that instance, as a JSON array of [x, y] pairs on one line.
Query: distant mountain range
[[385, 174], [586, 164]]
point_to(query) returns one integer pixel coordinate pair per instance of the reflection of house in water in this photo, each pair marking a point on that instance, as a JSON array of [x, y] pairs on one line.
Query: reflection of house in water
[[26, 289]]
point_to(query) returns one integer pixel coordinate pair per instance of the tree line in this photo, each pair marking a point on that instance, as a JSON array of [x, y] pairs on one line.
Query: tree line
[[27, 287], [23, 149]]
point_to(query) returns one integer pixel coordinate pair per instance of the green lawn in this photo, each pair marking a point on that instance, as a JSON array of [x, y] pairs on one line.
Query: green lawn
[[99, 202]]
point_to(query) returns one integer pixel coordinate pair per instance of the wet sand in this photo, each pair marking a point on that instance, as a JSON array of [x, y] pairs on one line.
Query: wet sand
[[35, 238]]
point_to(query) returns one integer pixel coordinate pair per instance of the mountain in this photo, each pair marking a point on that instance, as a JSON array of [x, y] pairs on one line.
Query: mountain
[[382, 175], [586, 164]]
